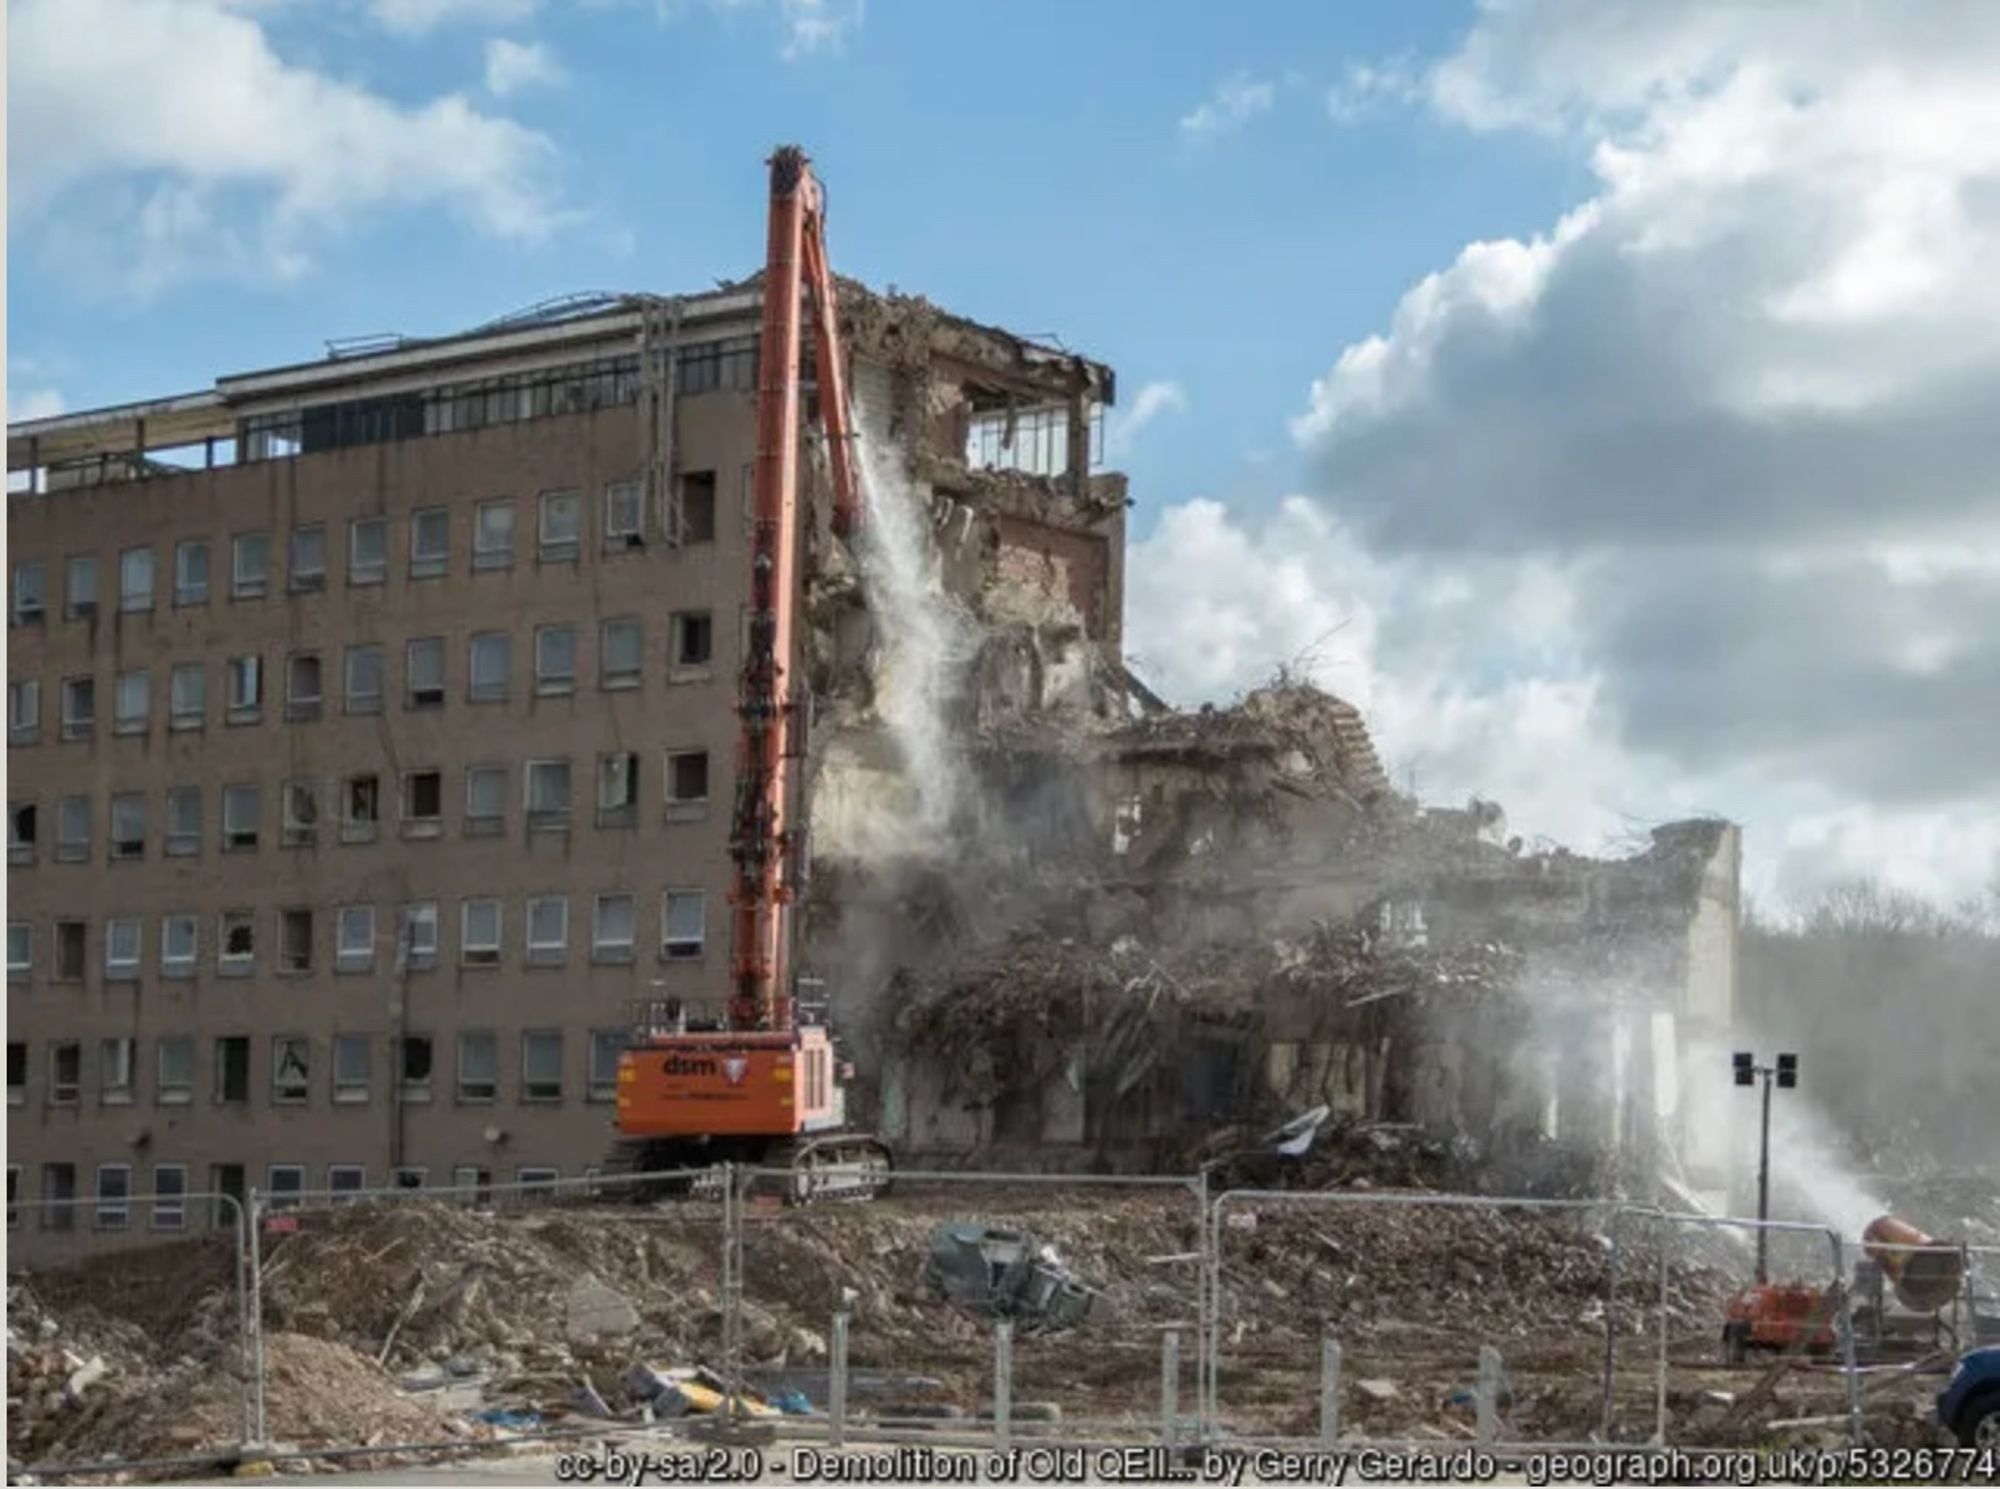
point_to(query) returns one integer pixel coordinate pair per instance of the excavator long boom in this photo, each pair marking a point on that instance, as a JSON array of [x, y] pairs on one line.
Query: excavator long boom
[[767, 848]]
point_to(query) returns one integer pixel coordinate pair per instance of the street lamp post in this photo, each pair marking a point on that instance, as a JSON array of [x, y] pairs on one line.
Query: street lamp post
[[1785, 1072]]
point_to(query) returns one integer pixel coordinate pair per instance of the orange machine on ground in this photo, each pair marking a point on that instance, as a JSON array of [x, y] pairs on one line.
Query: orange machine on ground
[[1924, 1275], [760, 1084]]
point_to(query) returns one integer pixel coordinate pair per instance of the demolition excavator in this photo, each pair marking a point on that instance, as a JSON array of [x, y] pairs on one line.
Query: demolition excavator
[[760, 1083]]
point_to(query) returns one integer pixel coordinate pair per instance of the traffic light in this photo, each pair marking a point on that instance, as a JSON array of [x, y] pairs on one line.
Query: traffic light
[[1746, 1068], [1788, 1072]]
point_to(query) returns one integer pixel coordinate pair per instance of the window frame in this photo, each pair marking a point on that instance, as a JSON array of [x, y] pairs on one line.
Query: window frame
[[425, 564], [466, 1091], [491, 691], [667, 939], [244, 586], [168, 1092], [625, 678], [558, 550], [544, 953], [430, 645], [135, 599], [301, 579], [191, 591], [374, 571], [346, 960], [180, 967], [529, 1041], [486, 556], [548, 682]]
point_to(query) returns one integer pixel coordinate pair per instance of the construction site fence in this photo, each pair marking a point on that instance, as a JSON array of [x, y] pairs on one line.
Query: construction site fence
[[1186, 1360]]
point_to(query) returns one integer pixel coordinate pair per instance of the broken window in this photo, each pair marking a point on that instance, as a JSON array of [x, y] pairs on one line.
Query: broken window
[[354, 939], [360, 808], [65, 1072], [80, 587], [430, 542], [423, 663], [613, 928], [697, 514], [624, 517], [232, 1068], [187, 696], [687, 785], [423, 804], [693, 639], [617, 789], [246, 689], [121, 949], [59, 1196], [242, 805], [417, 934], [620, 652], [128, 824], [352, 1073], [414, 1064], [541, 1065], [178, 945], [368, 550], [72, 938], [301, 814], [24, 711], [79, 707], [492, 661], [132, 702], [135, 580], [548, 930], [364, 679], [183, 821], [21, 827], [114, 1070], [555, 659], [493, 534], [28, 595], [309, 557], [73, 829], [291, 1068], [478, 1066], [683, 924], [485, 799], [295, 940], [174, 1068], [548, 793], [238, 954], [479, 933], [191, 572], [250, 556], [560, 534], [302, 686]]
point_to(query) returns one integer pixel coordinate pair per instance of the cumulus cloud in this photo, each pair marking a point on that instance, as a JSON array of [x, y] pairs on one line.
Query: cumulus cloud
[[416, 17], [512, 66], [807, 27], [1152, 400], [156, 139], [1237, 100], [1733, 409]]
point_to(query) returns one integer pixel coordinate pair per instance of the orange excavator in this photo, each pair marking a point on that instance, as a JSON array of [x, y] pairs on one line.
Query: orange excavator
[[762, 1084]]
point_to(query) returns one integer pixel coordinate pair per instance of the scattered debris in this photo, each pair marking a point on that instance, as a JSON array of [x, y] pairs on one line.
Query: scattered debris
[[1005, 1274]]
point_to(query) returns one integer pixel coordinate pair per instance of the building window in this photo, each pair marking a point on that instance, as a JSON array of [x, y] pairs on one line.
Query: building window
[[250, 557], [79, 707], [423, 804], [183, 821], [548, 930], [479, 933], [29, 595], [612, 928], [620, 652], [624, 517], [475, 1184], [24, 711], [606, 1045], [191, 572], [683, 924], [693, 633], [21, 830], [697, 507], [114, 1196], [492, 661], [73, 829], [346, 1178], [423, 663], [561, 530], [59, 1196], [417, 934], [128, 825], [17, 1072], [80, 587], [548, 794], [360, 808], [179, 945], [309, 558], [485, 800], [295, 940], [121, 949], [238, 954], [368, 550], [13, 1196], [288, 1182], [187, 696], [135, 580], [352, 1075], [364, 679], [687, 785], [414, 1065], [132, 702], [20, 950], [65, 1072], [302, 686], [170, 1183], [114, 1070], [354, 943], [242, 805], [246, 689], [493, 534], [541, 1065], [175, 1070], [300, 828], [478, 1066], [232, 1069], [555, 659], [291, 1069], [617, 789], [430, 542], [72, 950]]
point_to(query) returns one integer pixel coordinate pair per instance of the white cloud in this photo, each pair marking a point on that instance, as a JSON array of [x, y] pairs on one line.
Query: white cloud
[[156, 139], [814, 26], [1364, 88], [513, 65], [1152, 400], [32, 403], [417, 17], [1237, 100]]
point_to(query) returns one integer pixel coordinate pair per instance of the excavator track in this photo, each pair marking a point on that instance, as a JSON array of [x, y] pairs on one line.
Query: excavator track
[[830, 1168]]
